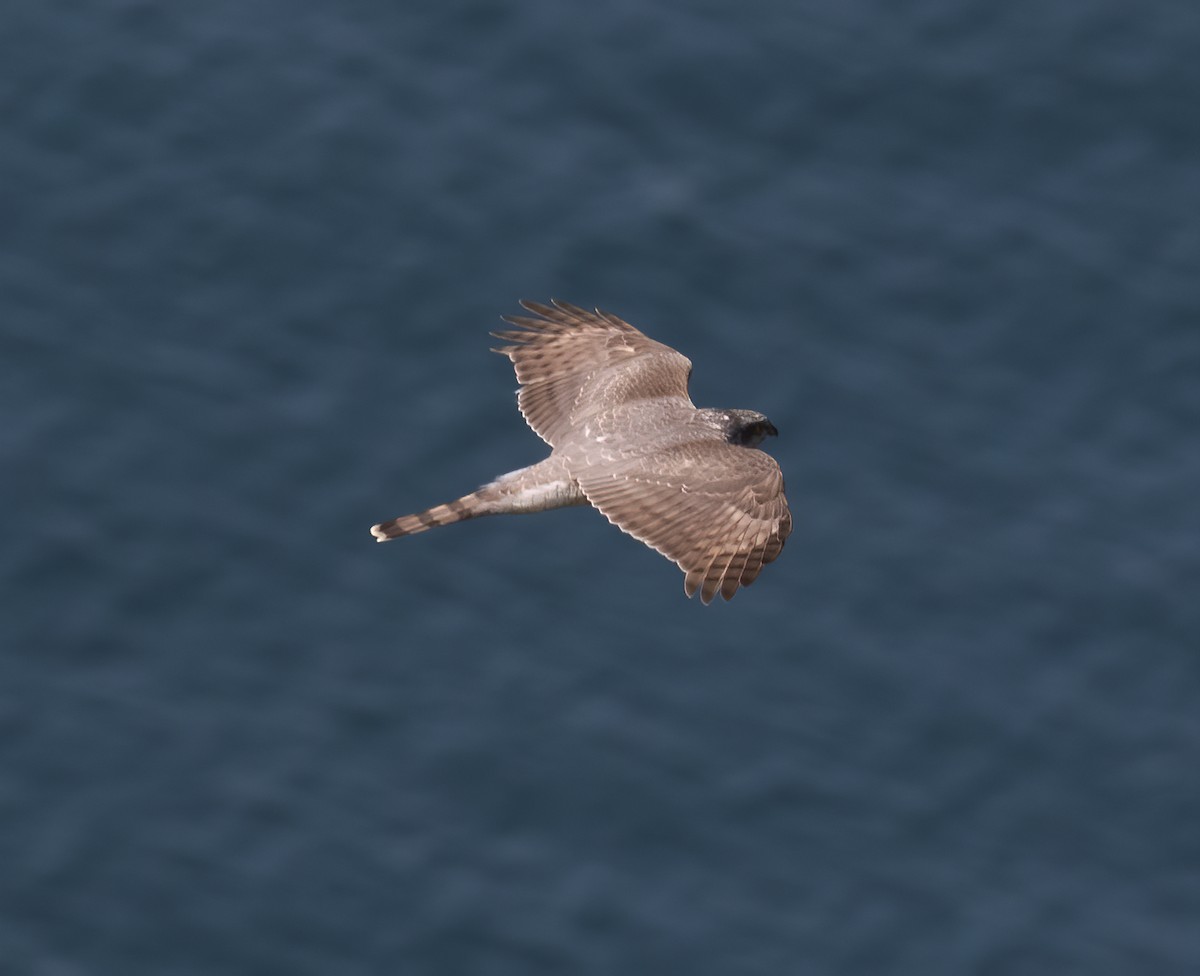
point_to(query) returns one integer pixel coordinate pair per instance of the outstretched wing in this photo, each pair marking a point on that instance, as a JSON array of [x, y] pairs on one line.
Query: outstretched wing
[[716, 509], [573, 364]]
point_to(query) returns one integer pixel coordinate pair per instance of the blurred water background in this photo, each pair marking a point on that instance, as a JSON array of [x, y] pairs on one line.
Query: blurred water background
[[250, 256]]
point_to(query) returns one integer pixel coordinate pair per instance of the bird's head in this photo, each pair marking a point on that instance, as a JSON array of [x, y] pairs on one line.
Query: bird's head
[[748, 428]]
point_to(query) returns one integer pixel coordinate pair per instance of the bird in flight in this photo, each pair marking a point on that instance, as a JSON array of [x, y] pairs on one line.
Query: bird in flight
[[626, 439]]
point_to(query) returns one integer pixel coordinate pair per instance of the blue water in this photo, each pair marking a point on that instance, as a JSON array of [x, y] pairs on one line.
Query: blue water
[[249, 256]]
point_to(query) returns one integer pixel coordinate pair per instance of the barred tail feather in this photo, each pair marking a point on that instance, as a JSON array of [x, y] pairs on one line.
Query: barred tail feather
[[455, 511]]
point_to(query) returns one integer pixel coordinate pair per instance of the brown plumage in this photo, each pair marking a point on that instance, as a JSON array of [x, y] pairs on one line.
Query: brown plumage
[[613, 405]]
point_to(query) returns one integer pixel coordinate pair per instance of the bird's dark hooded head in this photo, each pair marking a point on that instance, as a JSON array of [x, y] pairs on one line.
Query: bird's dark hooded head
[[748, 428]]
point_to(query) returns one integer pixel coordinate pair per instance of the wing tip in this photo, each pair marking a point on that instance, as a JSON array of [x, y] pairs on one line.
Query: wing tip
[[545, 311], [691, 583]]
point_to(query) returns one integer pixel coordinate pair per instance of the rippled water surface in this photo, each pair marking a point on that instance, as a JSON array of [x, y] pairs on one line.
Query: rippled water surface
[[249, 256]]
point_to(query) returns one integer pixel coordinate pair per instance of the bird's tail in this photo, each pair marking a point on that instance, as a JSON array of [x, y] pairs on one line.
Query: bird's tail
[[547, 484], [469, 506]]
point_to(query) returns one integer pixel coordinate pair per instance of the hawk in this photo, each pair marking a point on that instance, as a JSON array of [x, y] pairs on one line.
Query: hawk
[[626, 439]]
